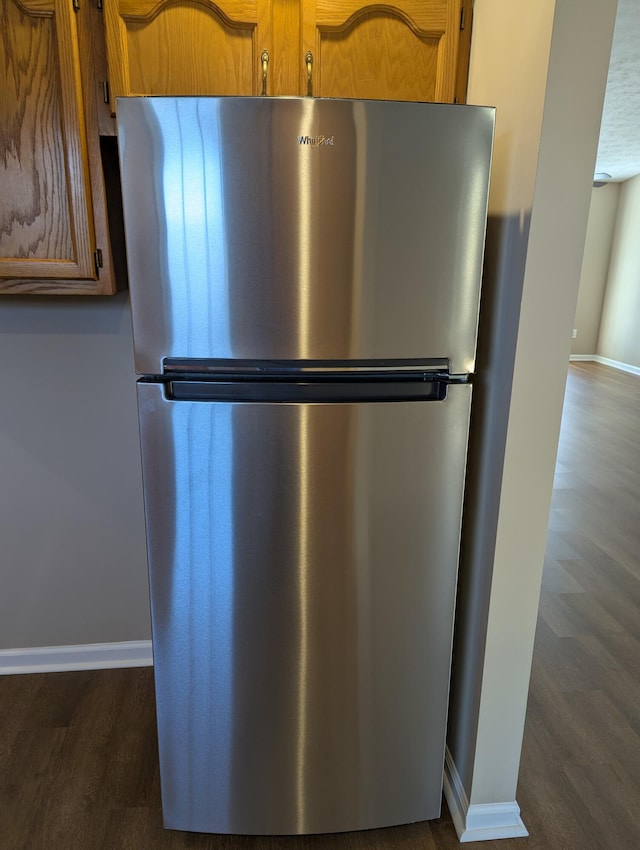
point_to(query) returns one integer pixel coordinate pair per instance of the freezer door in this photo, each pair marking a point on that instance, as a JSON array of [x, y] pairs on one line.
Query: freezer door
[[268, 228], [302, 562]]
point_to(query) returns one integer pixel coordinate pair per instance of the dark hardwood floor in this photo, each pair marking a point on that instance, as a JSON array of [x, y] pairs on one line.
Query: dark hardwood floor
[[78, 759], [580, 778]]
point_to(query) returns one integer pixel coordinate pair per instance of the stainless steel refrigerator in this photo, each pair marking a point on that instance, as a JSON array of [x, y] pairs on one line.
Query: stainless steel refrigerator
[[304, 281]]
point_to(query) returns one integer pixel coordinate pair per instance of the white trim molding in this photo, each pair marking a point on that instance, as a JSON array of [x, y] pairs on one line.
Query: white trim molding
[[91, 656], [615, 364], [479, 822]]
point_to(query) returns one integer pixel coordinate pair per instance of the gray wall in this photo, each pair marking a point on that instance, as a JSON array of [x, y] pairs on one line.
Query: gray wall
[[540, 195], [509, 62], [71, 520], [595, 267], [620, 325]]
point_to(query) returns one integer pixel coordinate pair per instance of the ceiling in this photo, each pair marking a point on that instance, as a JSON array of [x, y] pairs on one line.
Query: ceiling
[[619, 146]]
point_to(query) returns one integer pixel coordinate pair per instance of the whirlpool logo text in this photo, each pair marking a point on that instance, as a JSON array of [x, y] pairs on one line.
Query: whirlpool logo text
[[316, 141]]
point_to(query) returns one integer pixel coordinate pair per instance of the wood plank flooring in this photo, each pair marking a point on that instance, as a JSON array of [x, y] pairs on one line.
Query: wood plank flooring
[[78, 758], [580, 777]]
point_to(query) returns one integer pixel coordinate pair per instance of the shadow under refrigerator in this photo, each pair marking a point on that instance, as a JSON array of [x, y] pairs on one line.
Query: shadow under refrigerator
[[305, 280]]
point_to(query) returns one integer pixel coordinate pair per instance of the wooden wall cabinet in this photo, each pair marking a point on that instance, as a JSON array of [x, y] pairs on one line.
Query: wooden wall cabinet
[[178, 47], [60, 214], [404, 50], [53, 208]]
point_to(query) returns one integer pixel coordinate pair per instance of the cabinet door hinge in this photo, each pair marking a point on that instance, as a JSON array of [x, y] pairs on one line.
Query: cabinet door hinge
[[105, 91], [76, 5], [99, 4], [97, 259], [463, 17]]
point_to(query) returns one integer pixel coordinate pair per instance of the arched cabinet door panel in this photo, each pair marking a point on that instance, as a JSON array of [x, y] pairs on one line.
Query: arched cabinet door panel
[[186, 47], [46, 220], [404, 50]]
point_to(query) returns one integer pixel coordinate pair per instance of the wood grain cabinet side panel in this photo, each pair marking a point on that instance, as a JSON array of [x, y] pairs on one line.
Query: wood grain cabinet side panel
[[102, 151], [46, 227]]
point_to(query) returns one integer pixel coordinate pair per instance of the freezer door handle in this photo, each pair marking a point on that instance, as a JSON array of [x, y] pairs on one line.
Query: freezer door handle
[[307, 391]]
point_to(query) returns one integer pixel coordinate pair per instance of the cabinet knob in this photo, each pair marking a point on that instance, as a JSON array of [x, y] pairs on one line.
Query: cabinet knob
[[264, 58]]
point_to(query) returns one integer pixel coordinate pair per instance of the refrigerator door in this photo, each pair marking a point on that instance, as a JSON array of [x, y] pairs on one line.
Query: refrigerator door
[[302, 568], [297, 229]]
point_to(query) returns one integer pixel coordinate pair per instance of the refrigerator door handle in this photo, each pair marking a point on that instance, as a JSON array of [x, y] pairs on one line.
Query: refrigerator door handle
[[326, 391]]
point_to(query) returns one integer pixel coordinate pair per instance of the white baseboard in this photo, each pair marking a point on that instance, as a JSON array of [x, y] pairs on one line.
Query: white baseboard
[[615, 364], [479, 822], [91, 656]]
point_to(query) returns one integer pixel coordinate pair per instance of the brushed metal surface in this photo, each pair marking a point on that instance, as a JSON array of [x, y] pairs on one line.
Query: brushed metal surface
[[302, 563], [243, 242]]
